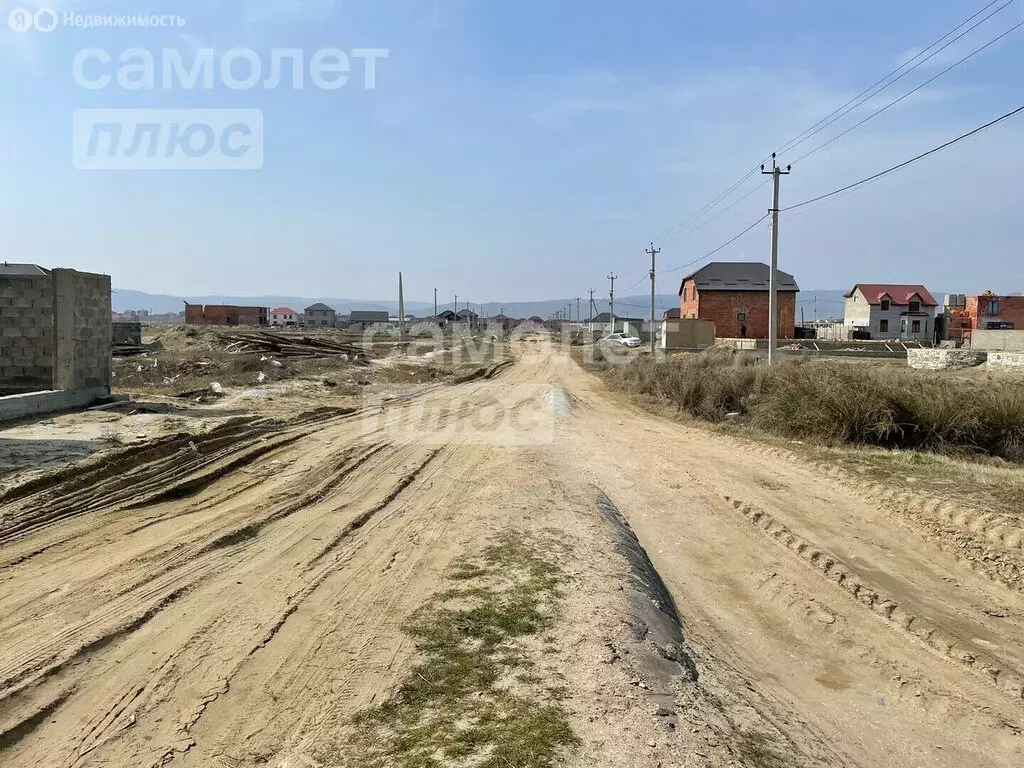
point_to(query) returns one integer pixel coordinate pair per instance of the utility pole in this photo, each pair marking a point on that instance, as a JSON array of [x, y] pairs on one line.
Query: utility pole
[[456, 304], [654, 254], [773, 280], [435, 302], [611, 302], [591, 310], [578, 318], [401, 308]]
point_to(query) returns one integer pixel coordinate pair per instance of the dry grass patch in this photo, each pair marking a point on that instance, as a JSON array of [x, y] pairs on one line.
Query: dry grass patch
[[837, 403]]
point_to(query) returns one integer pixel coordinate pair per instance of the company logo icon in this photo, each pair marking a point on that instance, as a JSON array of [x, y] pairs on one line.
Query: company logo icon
[[22, 20], [46, 20]]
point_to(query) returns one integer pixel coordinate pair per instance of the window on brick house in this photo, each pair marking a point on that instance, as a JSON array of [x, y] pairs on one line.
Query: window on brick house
[[993, 307], [883, 326], [741, 317], [885, 305]]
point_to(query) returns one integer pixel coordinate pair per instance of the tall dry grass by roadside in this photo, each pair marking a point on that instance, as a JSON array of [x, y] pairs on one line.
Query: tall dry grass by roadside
[[839, 402]]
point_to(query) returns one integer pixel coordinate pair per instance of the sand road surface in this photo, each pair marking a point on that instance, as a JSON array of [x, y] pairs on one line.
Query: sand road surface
[[234, 600]]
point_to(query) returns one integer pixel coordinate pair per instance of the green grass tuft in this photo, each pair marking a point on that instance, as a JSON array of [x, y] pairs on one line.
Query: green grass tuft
[[472, 699]]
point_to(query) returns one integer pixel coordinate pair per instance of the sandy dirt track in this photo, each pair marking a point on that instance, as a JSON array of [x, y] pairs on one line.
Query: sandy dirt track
[[234, 601]]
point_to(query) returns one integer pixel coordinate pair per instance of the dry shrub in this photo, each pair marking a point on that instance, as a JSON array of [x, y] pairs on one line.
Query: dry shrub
[[1002, 410], [816, 400], [840, 403], [707, 386]]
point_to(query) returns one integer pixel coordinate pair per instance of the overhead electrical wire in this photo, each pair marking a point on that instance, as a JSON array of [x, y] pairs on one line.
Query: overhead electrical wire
[[871, 91], [647, 276], [855, 101], [875, 114], [905, 163], [708, 207], [722, 247], [725, 210], [885, 82]]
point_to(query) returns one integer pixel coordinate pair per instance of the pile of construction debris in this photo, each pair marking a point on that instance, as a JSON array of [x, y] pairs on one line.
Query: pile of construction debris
[[280, 346]]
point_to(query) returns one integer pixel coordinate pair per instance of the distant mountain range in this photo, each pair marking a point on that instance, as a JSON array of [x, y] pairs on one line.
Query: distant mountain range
[[827, 304]]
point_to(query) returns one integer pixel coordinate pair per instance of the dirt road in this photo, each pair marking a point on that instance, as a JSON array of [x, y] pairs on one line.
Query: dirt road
[[235, 600]]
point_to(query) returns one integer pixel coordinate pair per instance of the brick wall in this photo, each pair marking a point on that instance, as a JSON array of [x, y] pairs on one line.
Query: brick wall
[[26, 334], [724, 307], [220, 314], [252, 316], [689, 307], [194, 314], [1011, 310]]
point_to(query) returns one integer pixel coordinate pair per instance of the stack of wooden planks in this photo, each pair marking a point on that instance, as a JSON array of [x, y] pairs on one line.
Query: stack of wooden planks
[[283, 345]]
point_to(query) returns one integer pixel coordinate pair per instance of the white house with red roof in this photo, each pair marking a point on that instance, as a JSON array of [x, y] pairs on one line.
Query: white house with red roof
[[891, 311], [284, 317]]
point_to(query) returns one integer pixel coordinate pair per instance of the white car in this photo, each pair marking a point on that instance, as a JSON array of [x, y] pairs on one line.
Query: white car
[[622, 340]]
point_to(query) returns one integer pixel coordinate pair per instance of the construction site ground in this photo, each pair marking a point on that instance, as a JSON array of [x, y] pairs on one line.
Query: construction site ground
[[245, 582]]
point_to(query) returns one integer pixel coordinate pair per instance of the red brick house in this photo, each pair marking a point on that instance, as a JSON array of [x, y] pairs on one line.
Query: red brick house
[[991, 312], [217, 314], [734, 296]]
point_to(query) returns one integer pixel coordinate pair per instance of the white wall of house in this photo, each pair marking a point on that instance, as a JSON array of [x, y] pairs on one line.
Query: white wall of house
[[925, 325], [888, 323], [283, 318], [858, 312]]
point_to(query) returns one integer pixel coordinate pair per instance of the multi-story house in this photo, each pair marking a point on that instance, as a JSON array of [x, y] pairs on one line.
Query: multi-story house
[[891, 311]]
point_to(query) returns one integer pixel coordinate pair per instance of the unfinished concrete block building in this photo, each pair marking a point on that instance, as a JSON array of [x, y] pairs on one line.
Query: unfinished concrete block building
[[55, 337]]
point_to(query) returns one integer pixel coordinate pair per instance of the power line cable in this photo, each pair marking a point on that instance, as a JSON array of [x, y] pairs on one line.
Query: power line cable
[[647, 276], [905, 163], [817, 127], [719, 248], [871, 91], [875, 114], [725, 210], [709, 206]]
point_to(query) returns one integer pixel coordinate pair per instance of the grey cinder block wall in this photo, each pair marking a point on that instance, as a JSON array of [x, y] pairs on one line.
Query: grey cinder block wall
[[26, 333], [55, 332]]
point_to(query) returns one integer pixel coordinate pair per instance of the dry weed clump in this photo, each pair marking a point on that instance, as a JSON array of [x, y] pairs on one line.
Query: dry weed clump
[[839, 402]]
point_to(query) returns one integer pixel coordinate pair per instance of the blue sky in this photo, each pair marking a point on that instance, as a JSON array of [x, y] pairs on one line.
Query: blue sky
[[523, 150]]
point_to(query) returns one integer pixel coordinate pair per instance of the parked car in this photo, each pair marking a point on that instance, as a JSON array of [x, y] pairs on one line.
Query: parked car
[[622, 340]]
